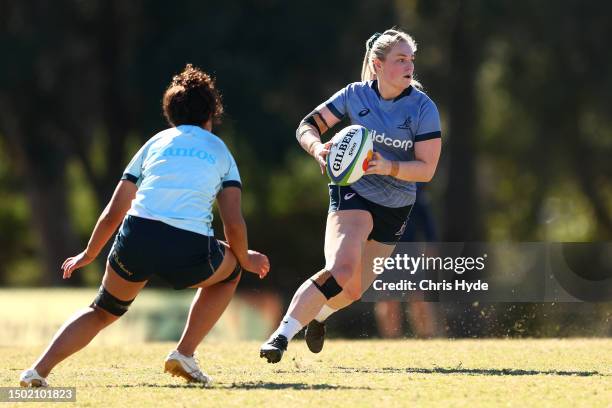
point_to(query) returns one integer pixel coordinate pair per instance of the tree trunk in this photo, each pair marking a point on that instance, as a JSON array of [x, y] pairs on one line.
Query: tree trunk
[[41, 164], [462, 216]]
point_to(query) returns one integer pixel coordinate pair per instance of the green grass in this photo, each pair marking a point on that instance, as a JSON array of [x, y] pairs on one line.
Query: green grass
[[445, 373]]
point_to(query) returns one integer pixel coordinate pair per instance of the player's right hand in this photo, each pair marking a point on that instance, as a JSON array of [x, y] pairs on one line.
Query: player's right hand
[[320, 152], [75, 262]]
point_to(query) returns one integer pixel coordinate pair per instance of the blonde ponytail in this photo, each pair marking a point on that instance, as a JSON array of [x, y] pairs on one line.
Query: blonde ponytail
[[367, 70], [367, 74]]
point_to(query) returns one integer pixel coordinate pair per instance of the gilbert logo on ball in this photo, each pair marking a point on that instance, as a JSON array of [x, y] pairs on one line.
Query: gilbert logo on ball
[[348, 158]]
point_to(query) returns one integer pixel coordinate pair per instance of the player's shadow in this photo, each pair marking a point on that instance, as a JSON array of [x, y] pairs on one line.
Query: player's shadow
[[284, 386], [152, 385], [469, 371], [248, 386]]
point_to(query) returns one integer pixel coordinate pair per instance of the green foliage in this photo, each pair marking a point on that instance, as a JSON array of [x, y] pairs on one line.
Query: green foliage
[[16, 241], [84, 209], [299, 188], [24, 272]]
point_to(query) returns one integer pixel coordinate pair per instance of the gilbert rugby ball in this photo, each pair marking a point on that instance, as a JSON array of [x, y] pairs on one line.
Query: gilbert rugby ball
[[348, 157]]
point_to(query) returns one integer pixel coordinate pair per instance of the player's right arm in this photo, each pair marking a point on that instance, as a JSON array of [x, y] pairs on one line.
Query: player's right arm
[[107, 224], [310, 130], [229, 202], [113, 214]]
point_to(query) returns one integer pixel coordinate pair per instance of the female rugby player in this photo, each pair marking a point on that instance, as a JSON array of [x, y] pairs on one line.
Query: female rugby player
[[167, 191], [366, 218]]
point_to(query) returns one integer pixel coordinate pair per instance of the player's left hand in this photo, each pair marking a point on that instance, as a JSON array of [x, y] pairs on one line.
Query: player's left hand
[[379, 165], [257, 263]]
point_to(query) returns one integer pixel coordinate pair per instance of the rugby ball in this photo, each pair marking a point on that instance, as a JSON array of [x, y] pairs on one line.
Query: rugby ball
[[349, 154]]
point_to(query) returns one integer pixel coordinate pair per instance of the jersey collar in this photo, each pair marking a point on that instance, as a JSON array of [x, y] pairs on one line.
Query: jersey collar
[[192, 129], [405, 92]]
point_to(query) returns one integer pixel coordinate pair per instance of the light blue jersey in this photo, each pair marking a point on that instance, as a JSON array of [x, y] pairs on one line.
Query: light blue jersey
[[397, 124], [179, 172]]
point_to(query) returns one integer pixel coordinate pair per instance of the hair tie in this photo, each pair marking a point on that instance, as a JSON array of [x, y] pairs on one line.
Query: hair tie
[[372, 40]]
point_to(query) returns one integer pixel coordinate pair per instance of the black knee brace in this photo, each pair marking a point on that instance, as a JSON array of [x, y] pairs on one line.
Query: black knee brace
[[235, 274], [329, 287], [111, 304]]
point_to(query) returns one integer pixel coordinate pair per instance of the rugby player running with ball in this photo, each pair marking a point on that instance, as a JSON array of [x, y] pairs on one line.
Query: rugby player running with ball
[[365, 219]]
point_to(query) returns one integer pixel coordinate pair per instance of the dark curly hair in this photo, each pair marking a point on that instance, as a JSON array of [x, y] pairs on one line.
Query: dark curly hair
[[192, 98]]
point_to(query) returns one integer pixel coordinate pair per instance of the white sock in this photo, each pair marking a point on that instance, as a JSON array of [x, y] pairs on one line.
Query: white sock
[[324, 313], [288, 327]]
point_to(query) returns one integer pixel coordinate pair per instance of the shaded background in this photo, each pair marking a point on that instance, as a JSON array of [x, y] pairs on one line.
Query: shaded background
[[524, 90]]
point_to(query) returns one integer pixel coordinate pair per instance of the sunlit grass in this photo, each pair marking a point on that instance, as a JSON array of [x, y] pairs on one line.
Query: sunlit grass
[[445, 373]]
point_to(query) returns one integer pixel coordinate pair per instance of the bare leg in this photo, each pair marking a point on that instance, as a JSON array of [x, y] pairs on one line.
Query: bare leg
[[81, 328], [306, 303], [207, 307], [371, 250], [388, 318], [345, 235], [75, 334], [208, 304], [339, 302], [423, 319]]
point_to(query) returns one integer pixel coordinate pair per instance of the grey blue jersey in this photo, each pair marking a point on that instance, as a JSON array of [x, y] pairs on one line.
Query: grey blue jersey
[[397, 125], [179, 172]]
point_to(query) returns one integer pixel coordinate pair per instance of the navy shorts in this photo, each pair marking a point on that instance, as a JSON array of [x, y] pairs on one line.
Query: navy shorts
[[389, 223], [146, 247]]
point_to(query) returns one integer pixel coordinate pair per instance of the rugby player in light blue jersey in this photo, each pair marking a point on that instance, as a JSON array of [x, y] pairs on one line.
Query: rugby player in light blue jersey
[[165, 201], [367, 218]]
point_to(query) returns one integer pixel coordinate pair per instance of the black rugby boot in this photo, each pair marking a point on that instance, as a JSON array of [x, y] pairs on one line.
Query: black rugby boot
[[315, 336], [274, 348]]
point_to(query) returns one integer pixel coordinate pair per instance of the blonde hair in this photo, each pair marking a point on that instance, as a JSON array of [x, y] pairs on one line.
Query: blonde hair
[[379, 46]]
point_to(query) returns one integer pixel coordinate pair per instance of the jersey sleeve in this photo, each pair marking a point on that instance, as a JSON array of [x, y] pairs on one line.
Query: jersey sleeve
[[429, 123], [232, 177], [133, 171], [337, 103]]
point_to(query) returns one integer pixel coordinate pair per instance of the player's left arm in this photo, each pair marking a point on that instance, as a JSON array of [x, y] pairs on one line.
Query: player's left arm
[[422, 168], [107, 224]]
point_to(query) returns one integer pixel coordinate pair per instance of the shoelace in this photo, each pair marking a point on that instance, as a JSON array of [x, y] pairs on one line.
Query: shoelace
[[280, 342], [197, 369]]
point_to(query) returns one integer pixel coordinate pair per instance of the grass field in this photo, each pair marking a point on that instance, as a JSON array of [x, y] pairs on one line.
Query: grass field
[[444, 373]]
